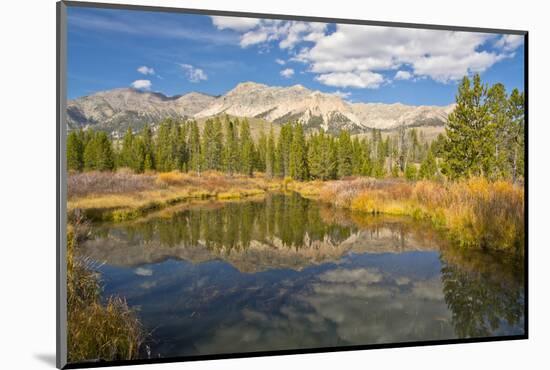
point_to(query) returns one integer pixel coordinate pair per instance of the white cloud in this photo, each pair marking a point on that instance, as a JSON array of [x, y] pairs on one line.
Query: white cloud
[[363, 80], [403, 75], [287, 73], [194, 74], [235, 23], [253, 37], [509, 42], [146, 70], [359, 56], [287, 33], [141, 84], [280, 62]]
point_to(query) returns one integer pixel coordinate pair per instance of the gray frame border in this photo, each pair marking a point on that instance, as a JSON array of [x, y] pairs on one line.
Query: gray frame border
[[61, 188]]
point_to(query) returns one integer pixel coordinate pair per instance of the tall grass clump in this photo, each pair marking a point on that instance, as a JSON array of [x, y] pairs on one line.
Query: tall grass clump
[[96, 330], [486, 214], [475, 213]]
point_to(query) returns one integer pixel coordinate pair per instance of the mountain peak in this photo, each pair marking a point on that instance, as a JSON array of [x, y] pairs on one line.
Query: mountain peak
[[114, 110]]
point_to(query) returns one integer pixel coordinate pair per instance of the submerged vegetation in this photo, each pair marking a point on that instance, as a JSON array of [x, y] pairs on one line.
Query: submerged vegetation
[[106, 330]]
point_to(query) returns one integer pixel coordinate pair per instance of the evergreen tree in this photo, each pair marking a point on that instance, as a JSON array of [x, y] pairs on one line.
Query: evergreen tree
[[497, 103], [357, 157], [410, 171], [469, 150], [516, 111], [75, 152], [247, 149], [298, 154], [194, 145], [163, 153], [261, 152], [345, 154], [283, 150], [212, 144], [428, 167], [270, 154], [148, 149], [231, 155], [126, 157], [98, 154]]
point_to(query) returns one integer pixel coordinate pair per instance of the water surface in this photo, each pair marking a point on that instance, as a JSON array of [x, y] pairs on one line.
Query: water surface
[[285, 272]]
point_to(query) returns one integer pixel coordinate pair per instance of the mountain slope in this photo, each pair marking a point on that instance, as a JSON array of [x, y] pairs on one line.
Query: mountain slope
[[114, 110]]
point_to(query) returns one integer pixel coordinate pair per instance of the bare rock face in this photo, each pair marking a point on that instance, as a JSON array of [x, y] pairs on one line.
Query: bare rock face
[[115, 110]]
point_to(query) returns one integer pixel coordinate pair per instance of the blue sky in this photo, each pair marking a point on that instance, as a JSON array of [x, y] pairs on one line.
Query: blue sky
[[178, 53]]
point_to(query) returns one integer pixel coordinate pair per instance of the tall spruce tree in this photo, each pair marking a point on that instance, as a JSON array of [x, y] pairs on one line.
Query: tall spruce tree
[[231, 155], [194, 145], [345, 154], [298, 154], [470, 147], [247, 149], [75, 152], [270, 154], [283, 149]]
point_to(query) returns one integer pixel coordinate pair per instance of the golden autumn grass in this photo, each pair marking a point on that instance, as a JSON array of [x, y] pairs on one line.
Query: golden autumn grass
[[123, 195], [474, 213], [96, 330]]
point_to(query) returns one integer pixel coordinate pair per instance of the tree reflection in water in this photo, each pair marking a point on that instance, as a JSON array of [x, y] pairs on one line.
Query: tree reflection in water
[[286, 272]]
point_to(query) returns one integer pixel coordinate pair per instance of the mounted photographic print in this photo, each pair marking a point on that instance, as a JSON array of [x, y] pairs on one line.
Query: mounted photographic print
[[236, 184]]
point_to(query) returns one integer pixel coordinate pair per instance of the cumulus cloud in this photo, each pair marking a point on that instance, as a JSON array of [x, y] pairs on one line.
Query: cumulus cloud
[[287, 33], [368, 80], [287, 73], [509, 42], [194, 74], [234, 23], [280, 62], [360, 56], [403, 75], [141, 84], [146, 70]]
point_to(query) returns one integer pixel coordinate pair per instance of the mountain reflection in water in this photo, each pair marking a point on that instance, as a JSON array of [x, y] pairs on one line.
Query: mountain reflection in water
[[286, 272]]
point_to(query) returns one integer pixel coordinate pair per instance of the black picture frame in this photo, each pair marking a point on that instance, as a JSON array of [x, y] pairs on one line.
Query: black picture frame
[[61, 193]]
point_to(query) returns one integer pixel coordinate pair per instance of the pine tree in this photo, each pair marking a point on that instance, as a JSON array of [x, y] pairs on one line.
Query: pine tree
[[298, 154], [126, 157], [516, 111], [469, 150], [163, 152], [270, 154], [247, 149], [75, 152], [314, 156], [98, 154], [148, 148], [283, 150], [428, 167], [231, 148], [261, 152], [345, 154], [497, 103], [357, 157], [194, 145], [410, 171]]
